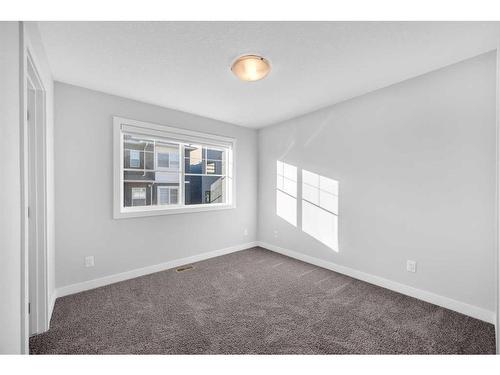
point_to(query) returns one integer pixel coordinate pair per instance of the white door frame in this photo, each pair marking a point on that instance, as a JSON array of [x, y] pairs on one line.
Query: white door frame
[[35, 317]]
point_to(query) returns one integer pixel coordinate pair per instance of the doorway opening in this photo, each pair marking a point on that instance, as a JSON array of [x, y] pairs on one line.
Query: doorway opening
[[36, 223]]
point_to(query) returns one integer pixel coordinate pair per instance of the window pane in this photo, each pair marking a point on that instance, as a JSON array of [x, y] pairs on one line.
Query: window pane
[[136, 194], [149, 159], [215, 161], [134, 158], [138, 176], [137, 152], [204, 190], [174, 196], [174, 159], [214, 167], [210, 167], [163, 160], [202, 160], [193, 159], [150, 194], [163, 195], [167, 155], [137, 142], [215, 154], [167, 195], [167, 177]]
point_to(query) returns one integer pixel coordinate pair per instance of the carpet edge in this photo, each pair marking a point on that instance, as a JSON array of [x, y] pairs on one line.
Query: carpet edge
[[436, 299]]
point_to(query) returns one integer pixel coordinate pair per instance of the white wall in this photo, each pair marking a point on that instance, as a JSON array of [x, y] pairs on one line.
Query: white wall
[[34, 44], [84, 192], [10, 197], [416, 165]]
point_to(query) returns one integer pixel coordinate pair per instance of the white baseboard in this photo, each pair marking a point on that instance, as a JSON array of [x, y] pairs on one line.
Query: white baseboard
[[96, 283], [448, 303]]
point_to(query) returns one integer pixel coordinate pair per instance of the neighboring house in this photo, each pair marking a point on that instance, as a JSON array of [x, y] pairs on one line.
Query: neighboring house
[[152, 173], [203, 168]]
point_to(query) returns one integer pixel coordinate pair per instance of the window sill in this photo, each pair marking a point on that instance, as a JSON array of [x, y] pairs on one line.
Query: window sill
[[131, 213]]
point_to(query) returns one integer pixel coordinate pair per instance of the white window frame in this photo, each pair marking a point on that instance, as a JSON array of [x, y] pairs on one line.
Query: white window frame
[[121, 125]]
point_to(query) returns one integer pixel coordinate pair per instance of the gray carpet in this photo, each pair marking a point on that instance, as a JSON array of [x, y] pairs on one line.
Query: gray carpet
[[255, 301]]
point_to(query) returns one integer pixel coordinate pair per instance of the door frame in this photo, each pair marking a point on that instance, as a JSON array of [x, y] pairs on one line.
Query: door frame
[[40, 307]]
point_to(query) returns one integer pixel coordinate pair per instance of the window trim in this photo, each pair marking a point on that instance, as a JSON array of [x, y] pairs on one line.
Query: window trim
[[121, 124]]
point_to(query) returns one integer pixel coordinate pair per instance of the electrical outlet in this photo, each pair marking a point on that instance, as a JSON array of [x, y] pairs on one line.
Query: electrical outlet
[[275, 234], [89, 261], [245, 232], [411, 266]]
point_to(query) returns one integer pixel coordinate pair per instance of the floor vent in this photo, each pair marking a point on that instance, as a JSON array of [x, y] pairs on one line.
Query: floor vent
[[184, 268]]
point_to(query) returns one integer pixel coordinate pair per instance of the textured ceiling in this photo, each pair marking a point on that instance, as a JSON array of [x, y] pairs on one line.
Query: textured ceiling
[[186, 65]]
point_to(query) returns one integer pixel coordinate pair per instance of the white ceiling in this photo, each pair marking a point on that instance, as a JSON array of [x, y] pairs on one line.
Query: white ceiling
[[186, 65]]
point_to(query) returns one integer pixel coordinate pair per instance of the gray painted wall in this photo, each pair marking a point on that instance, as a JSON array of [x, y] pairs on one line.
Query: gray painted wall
[[84, 192], [10, 190], [417, 166]]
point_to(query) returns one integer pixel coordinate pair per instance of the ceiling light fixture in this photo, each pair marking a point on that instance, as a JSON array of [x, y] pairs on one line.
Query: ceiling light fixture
[[251, 68]]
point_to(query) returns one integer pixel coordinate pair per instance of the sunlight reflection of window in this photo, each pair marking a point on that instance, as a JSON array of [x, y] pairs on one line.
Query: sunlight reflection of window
[[286, 192], [320, 208]]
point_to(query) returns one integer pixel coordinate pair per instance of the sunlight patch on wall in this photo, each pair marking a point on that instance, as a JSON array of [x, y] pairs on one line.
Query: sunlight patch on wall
[[320, 208], [286, 192]]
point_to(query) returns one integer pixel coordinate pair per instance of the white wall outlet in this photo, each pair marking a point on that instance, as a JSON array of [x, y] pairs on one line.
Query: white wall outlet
[[275, 234], [245, 232], [411, 266], [89, 261]]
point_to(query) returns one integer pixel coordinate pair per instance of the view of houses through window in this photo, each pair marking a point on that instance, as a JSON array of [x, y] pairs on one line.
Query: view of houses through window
[[154, 176]]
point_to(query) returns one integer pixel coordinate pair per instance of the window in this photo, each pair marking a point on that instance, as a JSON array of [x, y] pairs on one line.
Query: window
[[163, 159], [167, 195], [151, 180], [134, 158], [138, 196]]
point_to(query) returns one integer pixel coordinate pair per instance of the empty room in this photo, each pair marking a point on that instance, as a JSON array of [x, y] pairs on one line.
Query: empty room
[[260, 187]]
